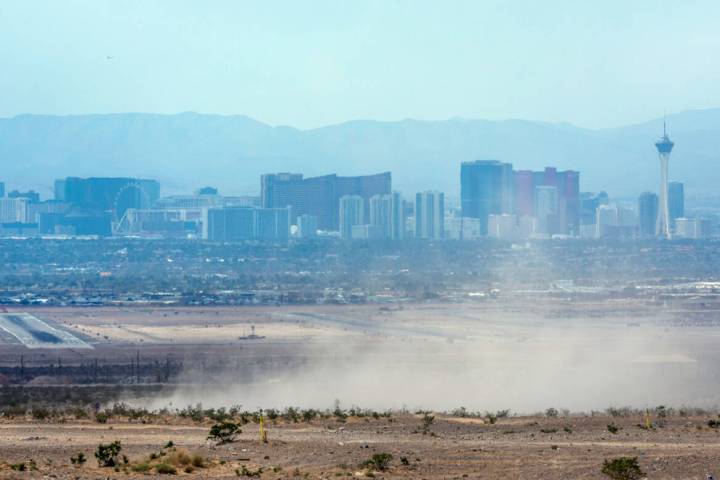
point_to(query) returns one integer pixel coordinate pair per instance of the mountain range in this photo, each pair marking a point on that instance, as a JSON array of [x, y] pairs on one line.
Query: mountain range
[[188, 150]]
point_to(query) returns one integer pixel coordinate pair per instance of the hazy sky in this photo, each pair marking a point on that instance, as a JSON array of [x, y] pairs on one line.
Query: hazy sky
[[311, 63]]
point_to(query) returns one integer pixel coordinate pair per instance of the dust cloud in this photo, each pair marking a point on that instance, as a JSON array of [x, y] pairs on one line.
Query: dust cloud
[[524, 366]]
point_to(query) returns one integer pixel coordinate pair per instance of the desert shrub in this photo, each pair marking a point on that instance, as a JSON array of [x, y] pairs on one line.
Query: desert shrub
[[197, 460], [461, 412], [101, 417], [107, 454], [612, 428], [165, 469], [19, 467], [379, 461], [41, 413], [713, 423], [291, 414], [141, 467], [243, 471], [662, 413], [339, 413], [551, 412], [502, 413], [427, 421], [169, 444], [548, 430], [224, 432], [309, 414], [79, 413], [491, 418], [622, 468], [78, 459], [272, 414], [619, 412], [195, 413], [181, 458]]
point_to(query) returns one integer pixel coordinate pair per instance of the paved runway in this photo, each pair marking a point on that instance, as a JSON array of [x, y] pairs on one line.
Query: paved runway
[[35, 333]]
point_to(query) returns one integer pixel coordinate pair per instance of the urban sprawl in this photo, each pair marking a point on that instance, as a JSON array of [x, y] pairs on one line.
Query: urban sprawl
[[495, 201]]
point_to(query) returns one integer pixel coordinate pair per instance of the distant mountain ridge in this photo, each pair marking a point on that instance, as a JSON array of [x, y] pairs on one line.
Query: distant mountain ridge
[[187, 150]]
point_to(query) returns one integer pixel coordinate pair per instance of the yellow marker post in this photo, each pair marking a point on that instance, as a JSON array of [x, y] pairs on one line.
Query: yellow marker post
[[263, 431]]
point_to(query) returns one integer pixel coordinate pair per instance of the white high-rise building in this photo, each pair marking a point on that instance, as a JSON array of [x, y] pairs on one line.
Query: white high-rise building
[[430, 215], [352, 213], [381, 214], [13, 210]]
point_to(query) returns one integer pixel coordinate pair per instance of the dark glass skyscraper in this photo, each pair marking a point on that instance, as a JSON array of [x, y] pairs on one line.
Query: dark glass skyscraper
[[648, 211], [486, 187], [676, 201]]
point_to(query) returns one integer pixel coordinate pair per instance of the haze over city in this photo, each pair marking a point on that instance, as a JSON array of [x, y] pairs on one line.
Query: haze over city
[[380, 239]]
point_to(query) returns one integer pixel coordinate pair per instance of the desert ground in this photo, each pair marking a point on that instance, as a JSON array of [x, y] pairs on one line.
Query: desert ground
[[488, 356], [516, 447]]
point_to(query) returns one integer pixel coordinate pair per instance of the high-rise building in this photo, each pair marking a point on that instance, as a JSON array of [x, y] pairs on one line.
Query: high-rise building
[[676, 201], [567, 185], [59, 189], [524, 193], [279, 190], [615, 222], [31, 195], [232, 224], [113, 195], [272, 224], [2, 189], [352, 212], [664, 147], [320, 196], [648, 213], [381, 214], [589, 203], [13, 210], [546, 210], [398, 217], [486, 187], [430, 215]]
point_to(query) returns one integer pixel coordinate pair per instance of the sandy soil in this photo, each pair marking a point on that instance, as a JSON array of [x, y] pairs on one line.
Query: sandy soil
[[515, 447]]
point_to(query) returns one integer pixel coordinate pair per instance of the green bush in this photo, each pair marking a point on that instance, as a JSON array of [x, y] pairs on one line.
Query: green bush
[[107, 454], [622, 468], [141, 467], [379, 461], [78, 459], [165, 469], [224, 432]]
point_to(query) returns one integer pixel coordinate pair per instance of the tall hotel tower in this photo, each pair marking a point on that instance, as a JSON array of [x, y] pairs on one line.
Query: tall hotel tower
[[664, 147]]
